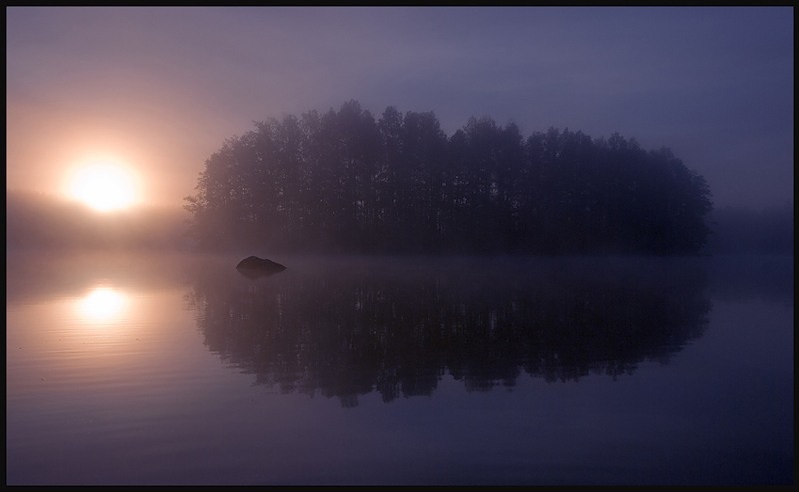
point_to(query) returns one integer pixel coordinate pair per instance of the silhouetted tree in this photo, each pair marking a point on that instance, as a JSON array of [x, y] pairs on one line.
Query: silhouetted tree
[[343, 181]]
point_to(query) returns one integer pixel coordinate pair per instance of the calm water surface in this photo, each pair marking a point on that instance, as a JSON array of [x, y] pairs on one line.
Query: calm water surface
[[167, 369]]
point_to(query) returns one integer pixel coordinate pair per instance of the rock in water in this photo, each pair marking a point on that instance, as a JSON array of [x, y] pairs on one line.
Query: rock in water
[[255, 267]]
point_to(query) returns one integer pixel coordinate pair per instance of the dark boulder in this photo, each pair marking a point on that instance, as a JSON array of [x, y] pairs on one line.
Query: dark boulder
[[254, 267]]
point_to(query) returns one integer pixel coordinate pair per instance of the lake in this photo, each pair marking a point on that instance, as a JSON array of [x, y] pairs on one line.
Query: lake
[[146, 369]]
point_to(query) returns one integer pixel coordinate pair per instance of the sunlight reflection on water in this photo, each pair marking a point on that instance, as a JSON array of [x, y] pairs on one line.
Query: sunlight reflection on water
[[103, 305]]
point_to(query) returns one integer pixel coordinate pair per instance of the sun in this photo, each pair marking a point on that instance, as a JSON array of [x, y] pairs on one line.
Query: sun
[[103, 186]]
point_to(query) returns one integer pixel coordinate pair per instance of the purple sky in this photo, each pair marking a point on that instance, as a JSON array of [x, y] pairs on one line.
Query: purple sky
[[162, 88]]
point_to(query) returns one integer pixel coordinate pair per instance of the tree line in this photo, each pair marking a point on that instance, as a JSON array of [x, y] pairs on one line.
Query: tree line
[[343, 181]]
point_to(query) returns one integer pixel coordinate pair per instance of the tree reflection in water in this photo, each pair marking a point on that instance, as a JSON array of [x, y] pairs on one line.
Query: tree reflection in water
[[348, 327]]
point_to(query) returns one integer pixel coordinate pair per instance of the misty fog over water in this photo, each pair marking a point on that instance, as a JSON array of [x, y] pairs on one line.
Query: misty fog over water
[[151, 368], [538, 354], [36, 222], [410, 245]]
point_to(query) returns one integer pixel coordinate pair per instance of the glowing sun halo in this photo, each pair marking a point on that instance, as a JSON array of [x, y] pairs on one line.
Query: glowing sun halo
[[103, 187]]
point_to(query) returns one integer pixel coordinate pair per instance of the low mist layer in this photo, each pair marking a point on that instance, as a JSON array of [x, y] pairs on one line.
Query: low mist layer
[[37, 221]]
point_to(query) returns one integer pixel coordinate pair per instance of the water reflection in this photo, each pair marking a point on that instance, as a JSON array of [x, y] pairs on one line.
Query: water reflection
[[35, 276], [349, 327], [102, 305]]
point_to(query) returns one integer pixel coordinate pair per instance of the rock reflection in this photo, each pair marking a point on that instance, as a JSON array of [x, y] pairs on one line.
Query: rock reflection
[[348, 328]]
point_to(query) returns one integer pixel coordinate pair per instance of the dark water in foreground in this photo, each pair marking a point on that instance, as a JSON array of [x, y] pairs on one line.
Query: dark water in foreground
[[137, 369]]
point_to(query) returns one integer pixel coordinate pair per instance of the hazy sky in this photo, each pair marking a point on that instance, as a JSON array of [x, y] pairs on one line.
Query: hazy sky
[[162, 88]]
